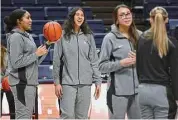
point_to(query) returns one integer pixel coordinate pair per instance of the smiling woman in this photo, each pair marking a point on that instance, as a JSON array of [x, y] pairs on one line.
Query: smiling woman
[[23, 60], [77, 51], [118, 59], [16, 18]]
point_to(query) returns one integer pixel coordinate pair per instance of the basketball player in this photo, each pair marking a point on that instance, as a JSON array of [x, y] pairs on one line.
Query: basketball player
[[78, 52], [157, 67], [117, 57], [23, 61]]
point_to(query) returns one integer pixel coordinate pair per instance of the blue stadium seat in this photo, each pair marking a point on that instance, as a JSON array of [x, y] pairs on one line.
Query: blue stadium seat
[[37, 26], [36, 40], [45, 74], [61, 22], [173, 2], [51, 54], [87, 10], [99, 39], [5, 11], [172, 11], [149, 4], [173, 23], [71, 2], [43, 40], [6, 2], [176, 32], [37, 13], [25, 2], [55, 13], [48, 2], [162, 2], [97, 26], [47, 60]]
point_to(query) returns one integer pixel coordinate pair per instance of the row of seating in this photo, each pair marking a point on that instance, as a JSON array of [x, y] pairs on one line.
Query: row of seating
[[97, 25], [172, 10], [97, 36], [40, 39], [46, 13], [170, 5], [173, 23], [161, 2], [40, 2]]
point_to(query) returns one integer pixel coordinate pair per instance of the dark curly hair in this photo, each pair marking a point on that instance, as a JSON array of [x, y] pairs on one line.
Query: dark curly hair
[[68, 25]]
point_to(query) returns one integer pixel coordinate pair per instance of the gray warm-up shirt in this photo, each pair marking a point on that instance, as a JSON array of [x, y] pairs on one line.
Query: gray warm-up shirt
[[80, 60], [22, 60], [116, 47]]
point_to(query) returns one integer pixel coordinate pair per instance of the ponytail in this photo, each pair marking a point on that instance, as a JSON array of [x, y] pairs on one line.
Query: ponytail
[[160, 35], [9, 24]]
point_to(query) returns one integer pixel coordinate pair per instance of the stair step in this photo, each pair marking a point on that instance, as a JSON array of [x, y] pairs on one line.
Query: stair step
[[108, 21], [101, 3], [106, 8], [102, 9], [102, 15]]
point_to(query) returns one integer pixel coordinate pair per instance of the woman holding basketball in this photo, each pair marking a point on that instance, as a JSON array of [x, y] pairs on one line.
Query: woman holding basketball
[[23, 61], [77, 51]]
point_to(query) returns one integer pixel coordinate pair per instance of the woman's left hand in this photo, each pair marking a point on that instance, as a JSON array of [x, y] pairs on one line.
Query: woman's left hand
[[132, 54], [97, 91]]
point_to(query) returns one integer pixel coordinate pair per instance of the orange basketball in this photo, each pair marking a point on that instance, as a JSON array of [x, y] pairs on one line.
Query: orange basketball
[[5, 84], [52, 31]]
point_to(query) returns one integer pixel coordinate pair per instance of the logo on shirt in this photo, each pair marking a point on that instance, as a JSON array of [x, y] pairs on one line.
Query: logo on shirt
[[120, 46]]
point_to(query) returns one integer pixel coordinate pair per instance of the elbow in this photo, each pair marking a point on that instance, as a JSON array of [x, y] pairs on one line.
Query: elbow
[[16, 64], [102, 69]]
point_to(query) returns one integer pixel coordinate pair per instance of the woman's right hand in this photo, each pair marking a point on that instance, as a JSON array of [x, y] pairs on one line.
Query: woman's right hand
[[41, 50], [58, 91], [127, 62]]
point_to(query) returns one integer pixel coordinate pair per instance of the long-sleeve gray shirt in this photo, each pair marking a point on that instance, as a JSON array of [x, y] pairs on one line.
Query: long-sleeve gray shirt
[[80, 60], [116, 47], [22, 60]]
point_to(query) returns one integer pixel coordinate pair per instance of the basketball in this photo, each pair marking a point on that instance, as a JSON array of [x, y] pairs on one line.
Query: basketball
[[5, 84], [52, 31]]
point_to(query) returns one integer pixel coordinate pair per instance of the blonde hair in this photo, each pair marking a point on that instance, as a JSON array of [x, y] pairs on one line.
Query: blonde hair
[[3, 55], [158, 30]]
